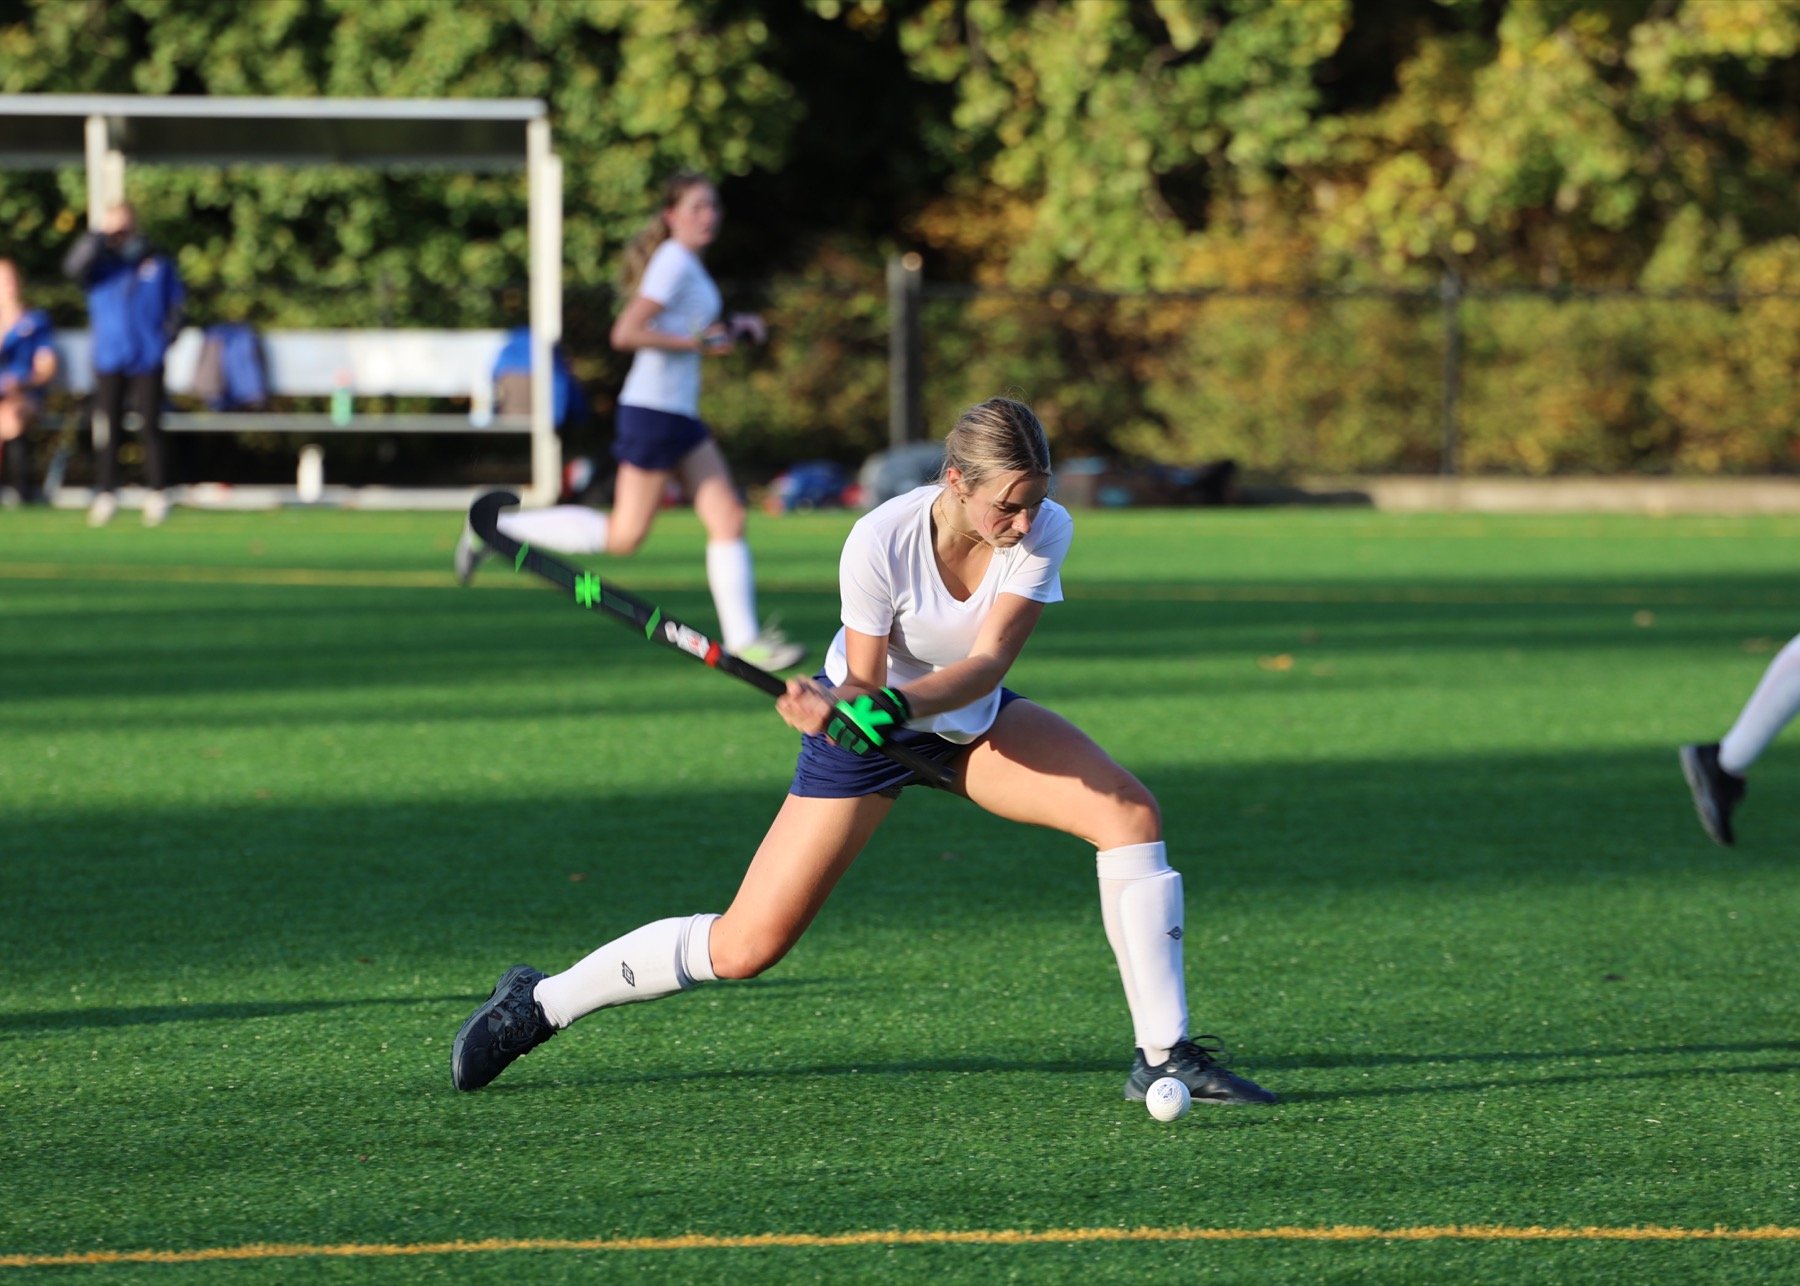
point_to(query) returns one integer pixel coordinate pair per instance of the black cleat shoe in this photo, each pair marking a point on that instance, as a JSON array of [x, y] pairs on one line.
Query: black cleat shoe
[[1200, 1067], [1716, 792], [509, 1023]]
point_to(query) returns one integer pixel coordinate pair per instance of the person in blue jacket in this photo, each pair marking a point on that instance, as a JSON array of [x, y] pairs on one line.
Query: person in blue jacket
[[136, 303], [27, 364]]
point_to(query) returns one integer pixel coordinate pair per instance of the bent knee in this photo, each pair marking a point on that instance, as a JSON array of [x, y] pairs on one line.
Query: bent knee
[[724, 521], [737, 957], [1131, 816], [726, 532], [623, 544]]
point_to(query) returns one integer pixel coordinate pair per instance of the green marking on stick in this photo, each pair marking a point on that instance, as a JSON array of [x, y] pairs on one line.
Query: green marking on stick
[[519, 558], [587, 589], [650, 625]]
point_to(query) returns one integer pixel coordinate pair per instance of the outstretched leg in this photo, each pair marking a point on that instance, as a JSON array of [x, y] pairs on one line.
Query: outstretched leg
[[807, 849], [577, 529]]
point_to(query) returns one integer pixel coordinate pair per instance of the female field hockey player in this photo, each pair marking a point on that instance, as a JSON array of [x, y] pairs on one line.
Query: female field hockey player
[[1715, 770], [941, 587], [670, 323]]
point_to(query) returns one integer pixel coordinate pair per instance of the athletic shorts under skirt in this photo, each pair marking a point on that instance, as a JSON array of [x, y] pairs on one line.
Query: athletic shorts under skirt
[[654, 439], [828, 771]]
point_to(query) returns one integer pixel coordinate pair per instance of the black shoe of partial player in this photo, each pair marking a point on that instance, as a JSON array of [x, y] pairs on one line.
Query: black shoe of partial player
[[1716, 792], [509, 1023], [1200, 1067]]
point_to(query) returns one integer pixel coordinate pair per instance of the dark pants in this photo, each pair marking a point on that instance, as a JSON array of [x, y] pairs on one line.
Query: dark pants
[[114, 394], [15, 454], [16, 467]]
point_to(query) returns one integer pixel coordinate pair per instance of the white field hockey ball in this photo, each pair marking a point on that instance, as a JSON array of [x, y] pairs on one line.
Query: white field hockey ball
[[1168, 1099]]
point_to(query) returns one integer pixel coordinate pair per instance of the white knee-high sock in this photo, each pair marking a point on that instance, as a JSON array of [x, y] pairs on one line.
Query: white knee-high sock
[[1140, 905], [657, 960], [567, 529], [733, 585], [1770, 709]]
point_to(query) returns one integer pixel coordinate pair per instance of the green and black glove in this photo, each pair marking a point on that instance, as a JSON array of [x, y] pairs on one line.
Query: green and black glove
[[867, 722]]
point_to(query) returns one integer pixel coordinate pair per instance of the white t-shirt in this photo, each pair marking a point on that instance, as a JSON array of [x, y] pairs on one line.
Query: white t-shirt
[[659, 379], [889, 583]]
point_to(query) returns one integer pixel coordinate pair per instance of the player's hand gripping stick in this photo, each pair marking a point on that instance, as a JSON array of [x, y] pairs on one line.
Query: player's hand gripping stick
[[868, 722]]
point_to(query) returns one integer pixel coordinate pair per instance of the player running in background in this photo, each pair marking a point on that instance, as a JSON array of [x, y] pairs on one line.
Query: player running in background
[[1715, 770], [941, 587], [670, 323]]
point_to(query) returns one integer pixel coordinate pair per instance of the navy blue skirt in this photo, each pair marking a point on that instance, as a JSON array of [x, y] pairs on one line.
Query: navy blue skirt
[[828, 771], [654, 439]]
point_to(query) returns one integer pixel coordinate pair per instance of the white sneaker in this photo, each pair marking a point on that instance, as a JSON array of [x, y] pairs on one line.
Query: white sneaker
[[469, 554], [156, 509], [772, 650], [101, 512]]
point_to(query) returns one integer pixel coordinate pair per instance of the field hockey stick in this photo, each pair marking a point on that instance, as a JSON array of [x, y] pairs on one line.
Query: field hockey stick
[[597, 595]]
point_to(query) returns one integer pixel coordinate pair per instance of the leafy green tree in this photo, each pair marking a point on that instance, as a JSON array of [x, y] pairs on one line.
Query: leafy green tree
[[1126, 134], [636, 92], [1548, 141]]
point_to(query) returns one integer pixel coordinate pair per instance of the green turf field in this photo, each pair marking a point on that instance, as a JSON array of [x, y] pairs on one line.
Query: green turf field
[[278, 802]]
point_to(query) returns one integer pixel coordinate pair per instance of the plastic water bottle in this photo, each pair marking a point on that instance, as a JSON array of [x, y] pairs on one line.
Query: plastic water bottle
[[342, 406]]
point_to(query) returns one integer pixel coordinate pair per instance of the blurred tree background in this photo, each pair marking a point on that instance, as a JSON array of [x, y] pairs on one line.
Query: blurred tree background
[[1185, 229]]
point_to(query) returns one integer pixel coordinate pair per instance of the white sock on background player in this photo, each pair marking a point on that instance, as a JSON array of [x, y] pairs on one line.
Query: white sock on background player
[[564, 529], [733, 585], [657, 960], [1141, 907], [1770, 709]]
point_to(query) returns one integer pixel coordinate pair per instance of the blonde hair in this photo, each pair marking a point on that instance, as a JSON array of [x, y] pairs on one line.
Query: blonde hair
[[994, 437], [656, 231]]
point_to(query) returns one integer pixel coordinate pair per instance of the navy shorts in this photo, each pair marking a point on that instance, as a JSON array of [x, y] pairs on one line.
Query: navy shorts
[[654, 439], [828, 771]]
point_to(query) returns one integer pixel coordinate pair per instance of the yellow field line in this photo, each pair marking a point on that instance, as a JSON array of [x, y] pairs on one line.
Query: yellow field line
[[973, 1237], [349, 578]]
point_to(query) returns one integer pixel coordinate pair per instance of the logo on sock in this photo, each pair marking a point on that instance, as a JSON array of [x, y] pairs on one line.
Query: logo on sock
[[1175, 933], [626, 974]]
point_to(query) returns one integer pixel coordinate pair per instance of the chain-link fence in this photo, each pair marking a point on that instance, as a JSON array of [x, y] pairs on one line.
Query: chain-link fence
[[1454, 380]]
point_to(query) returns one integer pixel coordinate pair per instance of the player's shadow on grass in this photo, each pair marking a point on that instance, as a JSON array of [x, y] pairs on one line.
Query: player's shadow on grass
[[1338, 1058], [1507, 1078], [799, 1072], [1512, 1070], [106, 1016], [1504, 1082]]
